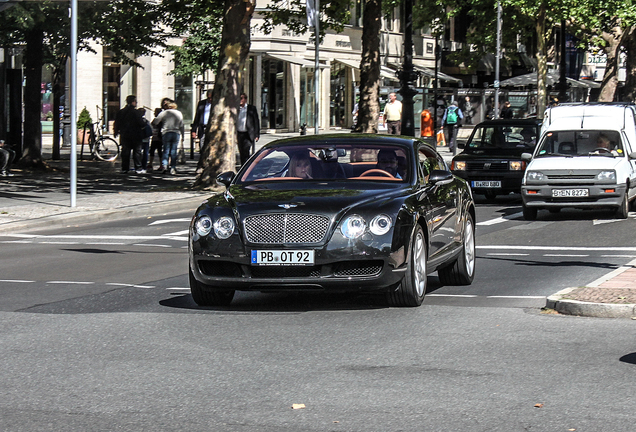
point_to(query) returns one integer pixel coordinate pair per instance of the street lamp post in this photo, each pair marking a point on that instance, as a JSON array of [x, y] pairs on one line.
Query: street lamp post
[[407, 75]]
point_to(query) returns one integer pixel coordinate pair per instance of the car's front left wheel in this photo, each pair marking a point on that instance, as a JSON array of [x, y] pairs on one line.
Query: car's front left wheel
[[204, 297], [411, 291]]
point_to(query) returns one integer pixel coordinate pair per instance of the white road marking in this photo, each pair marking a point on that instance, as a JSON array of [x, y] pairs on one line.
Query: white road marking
[[517, 297], [451, 295], [153, 245], [618, 256], [18, 241], [605, 221], [129, 285], [16, 280], [178, 233], [102, 237], [564, 255], [507, 254], [59, 242], [560, 248], [500, 219], [70, 282], [178, 289], [165, 221]]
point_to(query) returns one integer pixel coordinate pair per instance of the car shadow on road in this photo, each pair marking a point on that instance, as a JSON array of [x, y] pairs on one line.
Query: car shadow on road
[[293, 302]]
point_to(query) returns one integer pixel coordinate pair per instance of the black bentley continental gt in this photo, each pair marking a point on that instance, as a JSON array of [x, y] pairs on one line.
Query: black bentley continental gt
[[339, 213]]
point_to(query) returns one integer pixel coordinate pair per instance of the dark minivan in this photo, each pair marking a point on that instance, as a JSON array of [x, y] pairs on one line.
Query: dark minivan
[[491, 160]]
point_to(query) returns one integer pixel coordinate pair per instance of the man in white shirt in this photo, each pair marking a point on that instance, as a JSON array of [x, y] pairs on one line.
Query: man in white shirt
[[393, 115]]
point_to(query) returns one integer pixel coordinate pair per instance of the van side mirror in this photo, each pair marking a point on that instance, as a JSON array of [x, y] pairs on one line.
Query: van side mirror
[[526, 157], [632, 155]]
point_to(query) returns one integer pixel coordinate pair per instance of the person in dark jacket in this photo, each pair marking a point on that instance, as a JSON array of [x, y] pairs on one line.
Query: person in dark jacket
[[506, 111], [129, 124], [198, 126], [248, 128]]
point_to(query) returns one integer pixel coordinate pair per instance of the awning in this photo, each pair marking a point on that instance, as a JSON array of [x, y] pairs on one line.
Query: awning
[[385, 72], [431, 74], [296, 60], [551, 79]]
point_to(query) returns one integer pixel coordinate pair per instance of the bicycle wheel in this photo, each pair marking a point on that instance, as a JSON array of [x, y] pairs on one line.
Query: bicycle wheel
[[106, 149]]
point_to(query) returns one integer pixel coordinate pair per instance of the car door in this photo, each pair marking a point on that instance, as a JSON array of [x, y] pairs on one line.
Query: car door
[[442, 199]]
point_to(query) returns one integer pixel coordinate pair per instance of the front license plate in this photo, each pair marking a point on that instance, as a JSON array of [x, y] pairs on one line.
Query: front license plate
[[558, 193], [486, 184], [280, 257]]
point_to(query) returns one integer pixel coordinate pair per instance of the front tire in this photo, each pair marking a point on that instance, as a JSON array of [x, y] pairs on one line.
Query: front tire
[[411, 291], [529, 213], [623, 211], [204, 297], [462, 271]]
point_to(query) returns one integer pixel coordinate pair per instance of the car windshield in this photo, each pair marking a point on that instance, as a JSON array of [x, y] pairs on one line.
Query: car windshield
[[344, 162], [581, 143], [503, 137]]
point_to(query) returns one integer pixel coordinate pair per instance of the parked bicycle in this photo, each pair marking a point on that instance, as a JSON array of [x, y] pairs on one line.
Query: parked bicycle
[[102, 147]]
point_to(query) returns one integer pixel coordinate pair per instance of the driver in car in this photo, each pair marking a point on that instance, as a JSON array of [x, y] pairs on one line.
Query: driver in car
[[603, 142], [388, 161]]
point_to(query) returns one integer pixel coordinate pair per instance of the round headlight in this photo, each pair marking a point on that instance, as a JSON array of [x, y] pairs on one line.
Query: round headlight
[[353, 227], [203, 225], [224, 227], [380, 224]]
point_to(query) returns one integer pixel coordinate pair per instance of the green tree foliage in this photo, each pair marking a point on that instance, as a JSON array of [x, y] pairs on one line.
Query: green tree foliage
[[292, 14], [199, 23], [84, 119], [128, 28]]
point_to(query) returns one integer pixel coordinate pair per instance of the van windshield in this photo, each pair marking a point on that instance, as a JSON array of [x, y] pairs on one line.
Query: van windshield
[[581, 143]]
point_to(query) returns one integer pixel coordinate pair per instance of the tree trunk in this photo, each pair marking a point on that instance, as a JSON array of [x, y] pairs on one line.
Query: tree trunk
[[220, 155], [610, 78], [629, 43], [542, 61], [369, 105], [32, 153]]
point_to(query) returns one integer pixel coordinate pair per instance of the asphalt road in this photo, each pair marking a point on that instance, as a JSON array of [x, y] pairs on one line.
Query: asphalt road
[[98, 332]]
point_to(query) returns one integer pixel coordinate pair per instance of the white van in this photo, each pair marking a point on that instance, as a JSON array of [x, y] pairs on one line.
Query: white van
[[586, 158]]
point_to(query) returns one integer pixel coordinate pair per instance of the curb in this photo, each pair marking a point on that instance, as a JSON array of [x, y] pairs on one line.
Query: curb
[[86, 217], [595, 310]]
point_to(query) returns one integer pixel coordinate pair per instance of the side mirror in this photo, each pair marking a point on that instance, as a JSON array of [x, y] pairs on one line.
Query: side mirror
[[632, 155], [461, 144], [440, 177], [225, 178], [526, 157]]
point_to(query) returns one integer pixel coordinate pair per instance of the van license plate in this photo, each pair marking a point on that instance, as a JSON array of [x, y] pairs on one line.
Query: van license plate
[[486, 184], [282, 257], [558, 193]]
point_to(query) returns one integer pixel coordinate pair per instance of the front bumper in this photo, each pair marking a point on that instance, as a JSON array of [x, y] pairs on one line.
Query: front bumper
[[540, 196], [510, 181]]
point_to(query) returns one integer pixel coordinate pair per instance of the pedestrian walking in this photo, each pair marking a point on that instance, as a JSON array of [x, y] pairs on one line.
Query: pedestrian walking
[[6, 157], [129, 124], [198, 126], [450, 123], [172, 132], [248, 128], [156, 145], [506, 111], [145, 141], [392, 117]]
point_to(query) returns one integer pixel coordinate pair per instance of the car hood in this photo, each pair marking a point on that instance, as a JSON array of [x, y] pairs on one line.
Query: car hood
[[574, 163], [314, 198], [492, 153]]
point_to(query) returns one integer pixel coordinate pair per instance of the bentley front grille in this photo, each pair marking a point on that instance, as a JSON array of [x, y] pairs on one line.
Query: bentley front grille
[[278, 228]]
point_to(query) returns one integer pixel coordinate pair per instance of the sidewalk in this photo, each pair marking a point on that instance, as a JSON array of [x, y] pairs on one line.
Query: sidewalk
[[32, 201]]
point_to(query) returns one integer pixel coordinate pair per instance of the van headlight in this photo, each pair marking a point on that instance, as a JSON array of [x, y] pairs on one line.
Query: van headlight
[[535, 176], [606, 176]]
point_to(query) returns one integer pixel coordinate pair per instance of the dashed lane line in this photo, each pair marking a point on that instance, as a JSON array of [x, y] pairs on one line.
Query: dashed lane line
[[165, 221]]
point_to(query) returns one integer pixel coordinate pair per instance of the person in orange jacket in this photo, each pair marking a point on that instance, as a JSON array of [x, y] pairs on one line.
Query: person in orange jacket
[[426, 124]]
